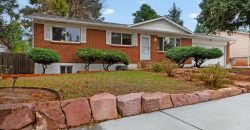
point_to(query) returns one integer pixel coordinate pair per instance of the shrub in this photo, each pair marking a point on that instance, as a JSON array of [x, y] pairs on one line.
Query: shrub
[[170, 68], [188, 75], [157, 68], [4, 69], [89, 56], [201, 55], [214, 76], [43, 56], [179, 54], [109, 58]]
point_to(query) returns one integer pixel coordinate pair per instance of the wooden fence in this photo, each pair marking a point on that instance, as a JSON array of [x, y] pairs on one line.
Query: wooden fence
[[19, 63]]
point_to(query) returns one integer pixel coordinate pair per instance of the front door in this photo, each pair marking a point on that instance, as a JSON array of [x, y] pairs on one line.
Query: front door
[[145, 47]]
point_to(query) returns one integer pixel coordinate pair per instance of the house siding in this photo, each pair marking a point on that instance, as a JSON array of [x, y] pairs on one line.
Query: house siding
[[240, 61], [95, 39]]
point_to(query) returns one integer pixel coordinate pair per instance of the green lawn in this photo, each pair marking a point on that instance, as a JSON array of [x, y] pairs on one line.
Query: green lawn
[[117, 83]]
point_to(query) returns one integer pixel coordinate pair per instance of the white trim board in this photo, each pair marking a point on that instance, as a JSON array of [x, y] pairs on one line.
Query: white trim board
[[55, 67]]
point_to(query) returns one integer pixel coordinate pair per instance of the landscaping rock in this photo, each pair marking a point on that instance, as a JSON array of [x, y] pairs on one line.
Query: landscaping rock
[[242, 84], [192, 99], [77, 111], [204, 96], [49, 115], [16, 116], [226, 92], [179, 100], [129, 104], [103, 107], [214, 94], [156, 101], [235, 91], [244, 90], [165, 100]]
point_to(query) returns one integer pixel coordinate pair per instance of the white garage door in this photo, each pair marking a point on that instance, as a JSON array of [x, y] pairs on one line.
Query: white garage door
[[220, 60]]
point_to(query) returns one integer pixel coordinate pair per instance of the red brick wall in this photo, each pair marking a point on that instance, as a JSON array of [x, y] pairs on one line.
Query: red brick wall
[[187, 42], [240, 61], [95, 39]]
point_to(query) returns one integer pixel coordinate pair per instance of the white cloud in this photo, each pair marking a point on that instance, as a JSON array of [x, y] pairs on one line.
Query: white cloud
[[108, 11], [140, 1], [193, 15]]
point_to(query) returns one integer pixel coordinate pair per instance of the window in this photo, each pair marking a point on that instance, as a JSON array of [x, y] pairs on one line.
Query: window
[[66, 34], [116, 38], [166, 43], [66, 69], [121, 39]]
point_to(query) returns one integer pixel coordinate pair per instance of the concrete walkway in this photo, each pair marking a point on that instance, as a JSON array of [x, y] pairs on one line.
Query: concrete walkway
[[231, 113]]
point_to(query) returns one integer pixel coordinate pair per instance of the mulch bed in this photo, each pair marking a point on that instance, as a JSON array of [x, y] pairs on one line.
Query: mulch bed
[[21, 95]]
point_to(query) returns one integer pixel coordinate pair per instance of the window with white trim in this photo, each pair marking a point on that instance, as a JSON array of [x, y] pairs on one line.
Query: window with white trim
[[66, 69], [66, 34], [166, 43], [121, 39]]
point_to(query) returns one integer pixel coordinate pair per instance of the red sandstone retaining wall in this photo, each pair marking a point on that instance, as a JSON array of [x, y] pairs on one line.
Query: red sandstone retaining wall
[[100, 107]]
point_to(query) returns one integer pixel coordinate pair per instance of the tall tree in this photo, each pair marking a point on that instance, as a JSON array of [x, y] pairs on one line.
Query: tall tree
[[200, 29], [144, 13], [8, 7], [87, 9], [224, 15], [11, 31], [175, 15]]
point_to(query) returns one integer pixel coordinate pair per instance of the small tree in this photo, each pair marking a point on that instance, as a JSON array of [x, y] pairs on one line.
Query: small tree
[[201, 55], [179, 54], [89, 56], [109, 58], [43, 56]]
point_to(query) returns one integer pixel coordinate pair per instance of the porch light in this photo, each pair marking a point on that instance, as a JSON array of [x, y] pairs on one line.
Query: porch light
[[155, 39]]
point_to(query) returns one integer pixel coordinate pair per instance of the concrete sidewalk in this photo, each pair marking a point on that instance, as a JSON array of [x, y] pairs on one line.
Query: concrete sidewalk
[[231, 113]]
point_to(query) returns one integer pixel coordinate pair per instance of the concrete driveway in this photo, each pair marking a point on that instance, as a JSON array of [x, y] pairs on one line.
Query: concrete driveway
[[231, 113]]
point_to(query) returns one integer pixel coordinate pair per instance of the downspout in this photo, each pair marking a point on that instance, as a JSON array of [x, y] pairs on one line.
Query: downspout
[[32, 33], [229, 44]]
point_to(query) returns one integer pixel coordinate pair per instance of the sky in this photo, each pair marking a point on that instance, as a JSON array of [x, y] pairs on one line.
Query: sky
[[120, 11]]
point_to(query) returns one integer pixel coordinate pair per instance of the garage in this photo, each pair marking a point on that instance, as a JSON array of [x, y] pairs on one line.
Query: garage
[[212, 44]]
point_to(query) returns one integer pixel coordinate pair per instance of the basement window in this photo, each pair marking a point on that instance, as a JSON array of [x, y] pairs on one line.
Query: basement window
[[166, 43], [62, 34], [121, 39], [66, 69]]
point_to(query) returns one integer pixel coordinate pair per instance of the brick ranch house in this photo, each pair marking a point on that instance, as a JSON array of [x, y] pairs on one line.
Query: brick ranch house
[[145, 41]]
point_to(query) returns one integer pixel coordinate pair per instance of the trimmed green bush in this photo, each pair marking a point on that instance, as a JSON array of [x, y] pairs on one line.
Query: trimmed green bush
[[89, 56], [214, 76], [179, 54], [201, 55], [109, 58], [43, 56]]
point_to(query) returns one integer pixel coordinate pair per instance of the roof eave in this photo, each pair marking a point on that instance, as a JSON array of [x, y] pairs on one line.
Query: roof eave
[[129, 28]]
